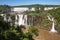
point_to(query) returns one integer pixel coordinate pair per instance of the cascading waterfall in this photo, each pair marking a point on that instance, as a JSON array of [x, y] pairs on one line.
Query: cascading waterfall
[[25, 19], [9, 19], [53, 25], [4, 17], [21, 21], [32, 20], [16, 20]]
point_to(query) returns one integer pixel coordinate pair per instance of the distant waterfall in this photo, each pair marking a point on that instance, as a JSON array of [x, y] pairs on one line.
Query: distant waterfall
[[53, 24]]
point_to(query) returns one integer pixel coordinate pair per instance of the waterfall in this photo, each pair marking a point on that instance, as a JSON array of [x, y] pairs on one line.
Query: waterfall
[[5, 18], [2, 14], [53, 24], [16, 20], [16, 17], [9, 19], [25, 19], [21, 19], [20, 22]]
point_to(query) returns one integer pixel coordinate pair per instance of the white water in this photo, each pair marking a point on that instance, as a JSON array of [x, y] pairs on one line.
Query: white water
[[53, 24], [21, 21], [16, 22], [3, 15], [5, 18], [9, 19], [25, 19]]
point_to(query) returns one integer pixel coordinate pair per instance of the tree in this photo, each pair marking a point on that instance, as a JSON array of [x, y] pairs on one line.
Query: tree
[[5, 8], [42, 8], [37, 8]]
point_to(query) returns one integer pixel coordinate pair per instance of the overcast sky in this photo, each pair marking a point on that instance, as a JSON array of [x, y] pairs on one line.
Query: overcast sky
[[27, 2]]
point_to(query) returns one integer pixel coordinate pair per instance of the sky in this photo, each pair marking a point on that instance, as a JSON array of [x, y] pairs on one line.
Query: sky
[[28, 2]]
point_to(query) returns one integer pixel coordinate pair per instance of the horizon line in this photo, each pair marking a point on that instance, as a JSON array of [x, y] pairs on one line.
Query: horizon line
[[29, 4]]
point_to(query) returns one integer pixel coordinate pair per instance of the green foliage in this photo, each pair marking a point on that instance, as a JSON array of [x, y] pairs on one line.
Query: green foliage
[[33, 30], [8, 32], [37, 9], [22, 26], [56, 14], [25, 39], [4, 8]]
